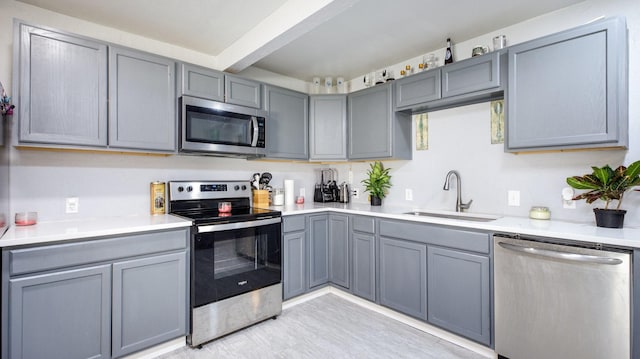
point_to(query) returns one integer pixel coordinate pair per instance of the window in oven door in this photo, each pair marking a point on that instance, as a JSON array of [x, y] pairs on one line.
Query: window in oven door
[[236, 261]]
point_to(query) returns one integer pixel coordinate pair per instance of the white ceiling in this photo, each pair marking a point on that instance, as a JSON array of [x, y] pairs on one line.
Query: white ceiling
[[306, 38]]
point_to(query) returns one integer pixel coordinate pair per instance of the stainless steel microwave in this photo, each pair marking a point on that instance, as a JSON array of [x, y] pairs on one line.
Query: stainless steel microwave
[[221, 129]]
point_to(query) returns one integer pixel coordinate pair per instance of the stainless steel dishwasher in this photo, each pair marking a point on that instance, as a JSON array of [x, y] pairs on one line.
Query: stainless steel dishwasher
[[561, 301]]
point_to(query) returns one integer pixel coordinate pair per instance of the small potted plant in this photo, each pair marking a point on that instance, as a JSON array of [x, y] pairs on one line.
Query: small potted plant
[[378, 182], [607, 185]]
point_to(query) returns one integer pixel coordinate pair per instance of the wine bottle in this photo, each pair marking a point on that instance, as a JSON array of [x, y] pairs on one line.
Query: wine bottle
[[448, 56]]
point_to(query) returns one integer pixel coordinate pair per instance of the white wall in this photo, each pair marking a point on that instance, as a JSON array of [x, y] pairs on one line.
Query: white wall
[[112, 184]]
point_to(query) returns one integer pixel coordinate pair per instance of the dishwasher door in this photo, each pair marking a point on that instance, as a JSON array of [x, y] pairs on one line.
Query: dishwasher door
[[557, 301]]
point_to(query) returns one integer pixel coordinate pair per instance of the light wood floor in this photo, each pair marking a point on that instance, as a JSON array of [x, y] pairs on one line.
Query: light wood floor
[[327, 327]]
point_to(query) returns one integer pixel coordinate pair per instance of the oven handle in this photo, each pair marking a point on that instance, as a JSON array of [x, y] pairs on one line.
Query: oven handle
[[237, 225]]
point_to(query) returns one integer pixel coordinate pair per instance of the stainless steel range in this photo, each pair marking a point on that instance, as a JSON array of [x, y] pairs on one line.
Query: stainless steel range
[[236, 257]]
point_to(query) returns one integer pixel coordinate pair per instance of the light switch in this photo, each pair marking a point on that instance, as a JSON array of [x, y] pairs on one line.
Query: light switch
[[513, 198], [72, 204]]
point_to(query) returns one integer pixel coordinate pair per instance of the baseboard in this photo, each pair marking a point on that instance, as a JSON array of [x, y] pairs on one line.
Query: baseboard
[[159, 350]]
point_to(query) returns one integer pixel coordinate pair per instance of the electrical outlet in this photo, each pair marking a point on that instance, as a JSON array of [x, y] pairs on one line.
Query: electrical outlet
[[567, 198], [513, 198], [350, 180], [72, 204], [408, 194], [303, 192], [355, 193]]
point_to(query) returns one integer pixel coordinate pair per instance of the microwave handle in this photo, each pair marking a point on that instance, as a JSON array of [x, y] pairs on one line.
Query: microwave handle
[[256, 132]]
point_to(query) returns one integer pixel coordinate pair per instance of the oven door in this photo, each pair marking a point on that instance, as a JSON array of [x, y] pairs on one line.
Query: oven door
[[235, 258]]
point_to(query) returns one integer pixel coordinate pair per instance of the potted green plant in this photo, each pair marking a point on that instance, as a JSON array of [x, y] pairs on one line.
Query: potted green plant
[[607, 185], [377, 183]]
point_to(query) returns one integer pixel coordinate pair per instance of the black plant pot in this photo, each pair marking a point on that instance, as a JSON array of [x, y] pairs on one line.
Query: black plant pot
[[609, 218], [376, 201]]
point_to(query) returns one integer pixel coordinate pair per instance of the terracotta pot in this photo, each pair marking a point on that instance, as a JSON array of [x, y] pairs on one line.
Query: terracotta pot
[[376, 201], [609, 218]]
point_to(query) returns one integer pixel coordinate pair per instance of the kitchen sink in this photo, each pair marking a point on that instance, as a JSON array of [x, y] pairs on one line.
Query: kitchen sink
[[476, 217]]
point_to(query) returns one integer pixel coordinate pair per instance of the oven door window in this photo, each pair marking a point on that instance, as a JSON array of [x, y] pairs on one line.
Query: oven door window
[[219, 127], [228, 263]]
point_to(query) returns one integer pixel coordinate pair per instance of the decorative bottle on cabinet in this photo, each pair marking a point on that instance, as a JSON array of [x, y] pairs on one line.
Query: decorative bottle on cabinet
[[448, 55]]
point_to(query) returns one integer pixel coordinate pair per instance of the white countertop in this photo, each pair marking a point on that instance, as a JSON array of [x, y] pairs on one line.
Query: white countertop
[[585, 232], [55, 231]]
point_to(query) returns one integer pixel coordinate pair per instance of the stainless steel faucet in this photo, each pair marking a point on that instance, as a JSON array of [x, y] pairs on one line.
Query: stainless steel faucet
[[460, 207]]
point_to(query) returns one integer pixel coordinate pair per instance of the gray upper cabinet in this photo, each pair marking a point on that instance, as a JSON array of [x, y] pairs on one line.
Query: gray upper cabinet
[[240, 91], [287, 124], [569, 90], [474, 74], [459, 292], [142, 101], [375, 130], [328, 127], [417, 89], [60, 315], [149, 301], [62, 88], [201, 82], [339, 250]]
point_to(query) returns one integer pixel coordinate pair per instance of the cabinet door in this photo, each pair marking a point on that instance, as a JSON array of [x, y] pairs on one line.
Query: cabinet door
[[201, 82], [287, 125], [328, 127], [294, 272], [569, 90], [474, 74], [364, 265], [63, 89], [142, 101], [239, 91], [403, 276], [149, 302], [417, 89], [339, 250], [61, 314], [458, 287], [318, 250], [370, 114]]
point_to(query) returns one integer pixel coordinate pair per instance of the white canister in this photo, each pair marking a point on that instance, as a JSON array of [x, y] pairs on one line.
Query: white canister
[[289, 195], [340, 85], [278, 197], [328, 84]]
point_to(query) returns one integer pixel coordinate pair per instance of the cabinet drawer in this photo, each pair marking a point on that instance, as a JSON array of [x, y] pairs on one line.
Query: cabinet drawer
[[43, 258], [446, 237], [364, 224], [293, 223]]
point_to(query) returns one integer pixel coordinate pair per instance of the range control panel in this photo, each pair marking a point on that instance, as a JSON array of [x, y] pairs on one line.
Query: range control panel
[[188, 190]]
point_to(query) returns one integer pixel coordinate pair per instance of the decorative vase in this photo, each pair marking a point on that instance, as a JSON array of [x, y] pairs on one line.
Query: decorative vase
[[609, 218], [376, 201]]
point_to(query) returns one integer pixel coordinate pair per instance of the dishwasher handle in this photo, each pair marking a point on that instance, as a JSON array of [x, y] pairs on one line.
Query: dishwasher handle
[[575, 257]]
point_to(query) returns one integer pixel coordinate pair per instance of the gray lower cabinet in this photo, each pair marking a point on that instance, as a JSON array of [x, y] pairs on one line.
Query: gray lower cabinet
[[243, 92], [459, 292], [200, 82], [376, 131], [142, 101], [328, 127], [148, 302], [569, 90], [99, 298], [60, 315], [287, 124], [403, 276], [363, 257], [294, 269], [318, 250], [62, 88], [339, 250]]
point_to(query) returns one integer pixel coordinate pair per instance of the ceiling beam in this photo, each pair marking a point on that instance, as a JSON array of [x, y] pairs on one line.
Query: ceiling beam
[[292, 20]]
